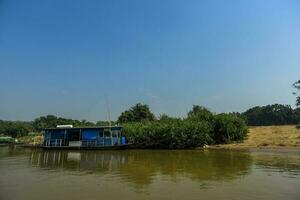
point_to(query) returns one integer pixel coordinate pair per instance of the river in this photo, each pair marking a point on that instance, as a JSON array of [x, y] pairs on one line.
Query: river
[[28, 174]]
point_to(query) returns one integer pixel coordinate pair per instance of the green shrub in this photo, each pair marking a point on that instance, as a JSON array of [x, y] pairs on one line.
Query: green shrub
[[169, 134], [228, 128], [6, 139], [187, 133], [199, 128]]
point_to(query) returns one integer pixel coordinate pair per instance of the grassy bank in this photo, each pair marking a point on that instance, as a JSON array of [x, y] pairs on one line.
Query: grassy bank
[[287, 136]]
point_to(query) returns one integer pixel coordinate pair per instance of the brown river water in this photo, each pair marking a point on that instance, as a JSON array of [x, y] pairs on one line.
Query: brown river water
[[27, 174]]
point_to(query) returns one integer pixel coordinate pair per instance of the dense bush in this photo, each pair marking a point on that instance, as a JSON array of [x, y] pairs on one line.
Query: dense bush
[[228, 128], [169, 134], [186, 133]]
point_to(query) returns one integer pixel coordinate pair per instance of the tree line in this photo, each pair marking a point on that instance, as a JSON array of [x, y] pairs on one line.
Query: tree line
[[276, 114], [22, 128], [141, 115]]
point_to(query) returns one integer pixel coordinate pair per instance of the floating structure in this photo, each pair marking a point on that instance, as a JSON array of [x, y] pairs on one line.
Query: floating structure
[[67, 137], [6, 140]]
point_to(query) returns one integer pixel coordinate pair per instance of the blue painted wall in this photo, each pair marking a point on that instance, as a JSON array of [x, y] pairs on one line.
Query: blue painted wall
[[90, 134]]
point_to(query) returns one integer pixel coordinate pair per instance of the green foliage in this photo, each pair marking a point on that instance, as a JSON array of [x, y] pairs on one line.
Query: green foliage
[[165, 117], [200, 113], [168, 134], [51, 121], [15, 128], [275, 114], [20, 129], [103, 123], [296, 85], [6, 139], [139, 112], [296, 115], [199, 128], [228, 128]]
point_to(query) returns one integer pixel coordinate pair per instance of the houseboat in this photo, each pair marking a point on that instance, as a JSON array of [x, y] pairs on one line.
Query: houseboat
[[67, 137]]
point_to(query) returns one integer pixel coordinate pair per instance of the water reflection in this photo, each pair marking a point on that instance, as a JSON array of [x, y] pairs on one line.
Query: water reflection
[[283, 163], [140, 167], [141, 174]]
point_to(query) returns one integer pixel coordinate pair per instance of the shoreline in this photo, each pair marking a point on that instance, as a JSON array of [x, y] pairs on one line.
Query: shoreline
[[278, 149]]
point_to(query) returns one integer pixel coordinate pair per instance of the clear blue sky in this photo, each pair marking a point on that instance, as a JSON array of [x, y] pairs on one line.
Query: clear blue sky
[[64, 57]]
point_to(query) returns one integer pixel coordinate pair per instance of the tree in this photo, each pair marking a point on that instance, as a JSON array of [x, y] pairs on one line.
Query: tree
[[200, 113], [51, 121], [276, 114], [15, 128], [296, 85], [139, 112], [165, 117], [105, 123], [296, 115]]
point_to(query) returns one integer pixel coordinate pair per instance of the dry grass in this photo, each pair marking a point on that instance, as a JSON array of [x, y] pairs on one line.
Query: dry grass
[[38, 139], [269, 136]]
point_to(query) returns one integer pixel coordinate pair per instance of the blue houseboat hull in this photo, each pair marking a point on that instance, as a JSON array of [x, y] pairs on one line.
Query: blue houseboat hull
[[119, 147]]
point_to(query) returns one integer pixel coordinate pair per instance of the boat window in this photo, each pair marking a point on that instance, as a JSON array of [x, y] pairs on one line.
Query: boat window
[[73, 135], [90, 134], [106, 133]]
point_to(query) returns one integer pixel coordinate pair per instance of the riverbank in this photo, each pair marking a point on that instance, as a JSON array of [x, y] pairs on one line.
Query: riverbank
[[267, 137], [285, 137]]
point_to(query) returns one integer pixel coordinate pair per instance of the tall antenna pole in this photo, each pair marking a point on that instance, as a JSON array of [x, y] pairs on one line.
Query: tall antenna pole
[[108, 114], [108, 111]]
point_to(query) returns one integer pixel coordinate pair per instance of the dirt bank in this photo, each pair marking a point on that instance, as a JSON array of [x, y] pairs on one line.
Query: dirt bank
[[270, 137]]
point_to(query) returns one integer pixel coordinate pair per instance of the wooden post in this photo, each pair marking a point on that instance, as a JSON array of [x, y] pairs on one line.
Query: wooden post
[[117, 137], [111, 140], [50, 139], [80, 136], [65, 137]]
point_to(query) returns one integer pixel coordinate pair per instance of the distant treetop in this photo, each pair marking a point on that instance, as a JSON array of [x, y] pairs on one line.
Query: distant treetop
[[139, 112], [296, 85]]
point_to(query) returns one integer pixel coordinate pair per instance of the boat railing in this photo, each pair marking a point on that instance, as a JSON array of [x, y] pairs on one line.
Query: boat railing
[[89, 143], [93, 143], [101, 142], [54, 143]]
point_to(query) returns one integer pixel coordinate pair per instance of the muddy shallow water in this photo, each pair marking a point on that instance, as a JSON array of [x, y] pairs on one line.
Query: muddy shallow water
[[148, 174]]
